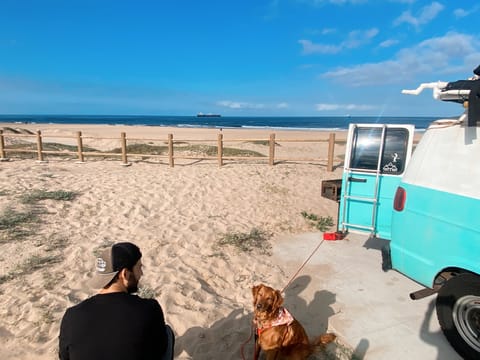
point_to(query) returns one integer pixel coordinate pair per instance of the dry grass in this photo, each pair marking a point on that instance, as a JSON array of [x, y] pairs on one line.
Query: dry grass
[[15, 150], [16, 225], [132, 149], [322, 223], [21, 225], [30, 265], [255, 240], [196, 149], [143, 149], [38, 195]]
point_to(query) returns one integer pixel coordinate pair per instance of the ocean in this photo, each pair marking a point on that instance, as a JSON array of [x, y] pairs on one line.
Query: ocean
[[252, 122]]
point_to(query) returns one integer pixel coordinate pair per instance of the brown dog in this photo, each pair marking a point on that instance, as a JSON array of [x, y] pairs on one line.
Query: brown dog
[[279, 334]]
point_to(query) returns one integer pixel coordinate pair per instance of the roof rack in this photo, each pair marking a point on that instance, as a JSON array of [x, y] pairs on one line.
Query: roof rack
[[461, 91]]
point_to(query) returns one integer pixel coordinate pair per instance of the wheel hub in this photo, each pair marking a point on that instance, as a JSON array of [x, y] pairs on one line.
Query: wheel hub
[[466, 316]]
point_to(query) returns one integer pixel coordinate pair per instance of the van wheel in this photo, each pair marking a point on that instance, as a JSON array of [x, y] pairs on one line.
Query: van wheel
[[458, 312]]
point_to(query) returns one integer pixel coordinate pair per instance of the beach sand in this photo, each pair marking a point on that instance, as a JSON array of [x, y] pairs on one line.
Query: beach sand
[[176, 215]]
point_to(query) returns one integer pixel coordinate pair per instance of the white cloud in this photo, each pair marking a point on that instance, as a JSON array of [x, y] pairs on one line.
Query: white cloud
[[311, 48], [327, 31], [461, 13], [327, 107], [321, 32], [239, 105], [231, 104], [358, 38], [354, 39], [427, 14], [450, 53], [335, 107], [388, 43]]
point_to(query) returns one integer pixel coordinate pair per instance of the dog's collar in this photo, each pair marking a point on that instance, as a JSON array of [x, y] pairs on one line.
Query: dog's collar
[[283, 318]]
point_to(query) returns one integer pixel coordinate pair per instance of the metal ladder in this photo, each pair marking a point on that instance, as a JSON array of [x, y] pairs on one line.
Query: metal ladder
[[373, 200]]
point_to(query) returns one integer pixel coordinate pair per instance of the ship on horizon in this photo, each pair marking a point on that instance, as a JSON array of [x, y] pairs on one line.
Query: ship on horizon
[[200, 114]]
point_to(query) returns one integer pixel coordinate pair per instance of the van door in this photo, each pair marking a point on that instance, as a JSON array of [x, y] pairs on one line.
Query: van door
[[376, 157]]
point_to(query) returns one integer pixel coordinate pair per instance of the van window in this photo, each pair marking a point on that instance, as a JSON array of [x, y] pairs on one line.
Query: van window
[[366, 149]]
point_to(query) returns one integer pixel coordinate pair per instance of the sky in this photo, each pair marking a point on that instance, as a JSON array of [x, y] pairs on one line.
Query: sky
[[233, 57]]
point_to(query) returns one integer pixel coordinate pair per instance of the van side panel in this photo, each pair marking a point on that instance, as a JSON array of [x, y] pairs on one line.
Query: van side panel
[[447, 159], [436, 230], [439, 226]]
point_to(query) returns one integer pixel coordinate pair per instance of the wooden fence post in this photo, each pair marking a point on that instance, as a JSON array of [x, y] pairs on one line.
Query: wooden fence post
[[331, 151], [220, 149], [271, 159], [39, 146], [2, 146], [170, 150], [80, 146], [123, 140]]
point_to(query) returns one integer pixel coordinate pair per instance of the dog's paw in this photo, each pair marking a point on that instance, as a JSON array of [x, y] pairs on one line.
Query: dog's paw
[[325, 339]]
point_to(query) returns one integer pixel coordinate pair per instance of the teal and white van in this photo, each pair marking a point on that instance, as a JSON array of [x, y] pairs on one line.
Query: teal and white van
[[425, 204]]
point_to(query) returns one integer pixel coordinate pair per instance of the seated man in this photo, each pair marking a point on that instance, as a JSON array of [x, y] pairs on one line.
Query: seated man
[[114, 324]]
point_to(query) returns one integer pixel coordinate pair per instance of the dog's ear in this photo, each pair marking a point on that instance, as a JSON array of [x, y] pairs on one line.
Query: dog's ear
[[255, 292], [278, 299]]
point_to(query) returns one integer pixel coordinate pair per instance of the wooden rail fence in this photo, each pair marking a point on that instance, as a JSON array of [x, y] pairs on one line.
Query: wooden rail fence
[[81, 153]]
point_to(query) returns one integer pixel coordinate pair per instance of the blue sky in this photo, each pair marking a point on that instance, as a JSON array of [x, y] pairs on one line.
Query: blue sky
[[236, 58]]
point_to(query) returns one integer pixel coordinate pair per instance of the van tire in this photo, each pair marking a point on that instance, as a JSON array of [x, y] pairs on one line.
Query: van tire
[[458, 312]]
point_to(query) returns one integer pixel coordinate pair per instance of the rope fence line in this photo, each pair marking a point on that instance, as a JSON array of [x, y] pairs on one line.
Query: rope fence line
[[170, 141]]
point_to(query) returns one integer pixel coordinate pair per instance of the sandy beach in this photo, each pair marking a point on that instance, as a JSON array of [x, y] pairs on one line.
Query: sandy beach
[[176, 215]]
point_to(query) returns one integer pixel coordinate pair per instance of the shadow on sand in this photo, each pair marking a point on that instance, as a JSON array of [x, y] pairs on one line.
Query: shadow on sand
[[232, 337]]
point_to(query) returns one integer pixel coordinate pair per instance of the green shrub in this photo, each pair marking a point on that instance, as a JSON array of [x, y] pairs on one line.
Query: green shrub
[[38, 195], [322, 223], [256, 239]]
